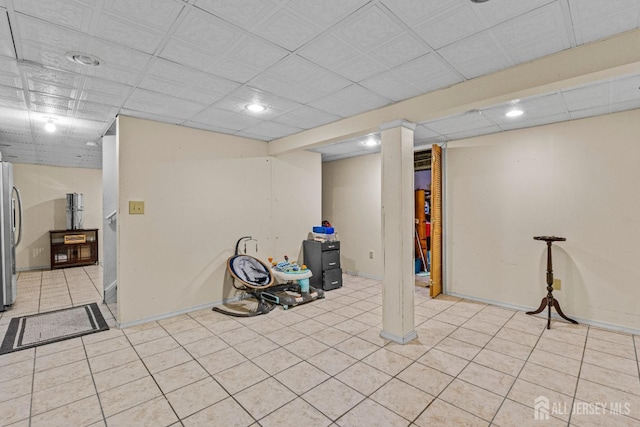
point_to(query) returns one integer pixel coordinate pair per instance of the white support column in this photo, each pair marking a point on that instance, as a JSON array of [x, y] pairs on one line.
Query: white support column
[[398, 212]]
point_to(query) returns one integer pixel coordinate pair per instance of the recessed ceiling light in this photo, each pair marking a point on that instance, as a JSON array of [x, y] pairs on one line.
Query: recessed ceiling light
[[92, 144], [370, 142], [516, 112], [50, 127], [85, 59], [479, 1], [255, 108]]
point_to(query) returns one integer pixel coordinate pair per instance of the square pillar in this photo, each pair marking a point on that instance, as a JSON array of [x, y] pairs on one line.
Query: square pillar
[[398, 232]]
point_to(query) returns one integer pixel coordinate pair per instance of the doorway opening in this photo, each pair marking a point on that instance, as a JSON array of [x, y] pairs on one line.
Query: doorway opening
[[428, 216]]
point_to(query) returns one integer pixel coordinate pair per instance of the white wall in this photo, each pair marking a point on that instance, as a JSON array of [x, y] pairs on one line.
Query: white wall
[[351, 201], [202, 191], [44, 190], [578, 180]]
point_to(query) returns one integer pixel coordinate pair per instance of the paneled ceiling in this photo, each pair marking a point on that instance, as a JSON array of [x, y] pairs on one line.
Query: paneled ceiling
[[199, 63]]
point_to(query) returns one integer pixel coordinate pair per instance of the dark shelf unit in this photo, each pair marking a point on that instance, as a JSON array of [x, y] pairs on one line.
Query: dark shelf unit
[[73, 248], [323, 259]]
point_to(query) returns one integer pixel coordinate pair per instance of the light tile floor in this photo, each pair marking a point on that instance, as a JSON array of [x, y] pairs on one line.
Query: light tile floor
[[319, 364]]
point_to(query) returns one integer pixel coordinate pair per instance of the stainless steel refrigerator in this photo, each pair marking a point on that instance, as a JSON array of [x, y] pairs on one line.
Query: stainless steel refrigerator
[[10, 234]]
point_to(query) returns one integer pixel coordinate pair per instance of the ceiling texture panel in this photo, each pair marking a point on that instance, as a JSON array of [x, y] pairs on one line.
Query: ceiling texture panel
[[200, 63]]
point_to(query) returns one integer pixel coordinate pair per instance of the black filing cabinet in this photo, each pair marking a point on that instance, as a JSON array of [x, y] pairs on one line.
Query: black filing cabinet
[[323, 259]]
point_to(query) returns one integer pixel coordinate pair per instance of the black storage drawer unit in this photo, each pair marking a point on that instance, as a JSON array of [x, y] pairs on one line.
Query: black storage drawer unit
[[323, 259]]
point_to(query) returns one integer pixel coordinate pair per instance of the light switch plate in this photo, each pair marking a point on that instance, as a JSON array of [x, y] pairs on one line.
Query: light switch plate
[[136, 208]]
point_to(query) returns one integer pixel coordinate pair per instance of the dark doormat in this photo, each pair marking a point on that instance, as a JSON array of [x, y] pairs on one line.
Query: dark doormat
[[45, 328]]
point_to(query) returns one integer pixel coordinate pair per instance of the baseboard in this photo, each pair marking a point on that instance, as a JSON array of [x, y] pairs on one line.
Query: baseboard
[[179, 312], [368, 276], [554, 315], [44, 267], [398, 339]]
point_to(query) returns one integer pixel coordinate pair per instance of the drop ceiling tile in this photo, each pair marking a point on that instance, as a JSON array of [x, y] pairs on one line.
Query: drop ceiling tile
[[11, 93], [49, 89], [415, 12], [53, 101], [159, 14], [306, 118], [367, 28], [540, 106], [186, 54], [211, 83], [327, 83], [327, 51], [94, 111], [182, 109], [625, 105], [238, 100], [350, 101], [475, 56], [13, 104], [119, 56], [128, 34], [10, 80], [326, 12], [118, 75], [253, 51], [536, 34], [268, 83], [601, 29], [200, 96], [207, 32], [160, 85], [241, 12], [226, 119], [474, 132], [9, 66], [534, 108], [495, 12], [234, 70], [156, 117], [69, 13], [586, 11], [625, 89], [173, 72], [549, 119], [423, 132], [209, 127], [48, 57], [144, 100], [295, 70], [271, 130], [360, 68], [428, 72], [49, 35], [390, 86], [450, 27], [399, 51], [252, 136], [586, 97], [287, 30], [96, 85], [6, 43]]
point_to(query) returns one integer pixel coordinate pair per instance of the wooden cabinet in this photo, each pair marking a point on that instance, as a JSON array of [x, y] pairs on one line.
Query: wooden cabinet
[[323, 259], [73, 248]]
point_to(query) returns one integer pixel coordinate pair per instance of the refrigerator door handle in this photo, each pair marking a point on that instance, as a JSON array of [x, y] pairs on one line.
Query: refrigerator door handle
[[19, 215]]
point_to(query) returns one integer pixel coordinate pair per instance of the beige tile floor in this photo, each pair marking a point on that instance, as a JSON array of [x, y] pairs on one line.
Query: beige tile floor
[[319, 364]]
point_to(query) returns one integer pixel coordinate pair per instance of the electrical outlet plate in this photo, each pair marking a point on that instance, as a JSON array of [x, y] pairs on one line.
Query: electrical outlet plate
[[136, 208], [557, 284]]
